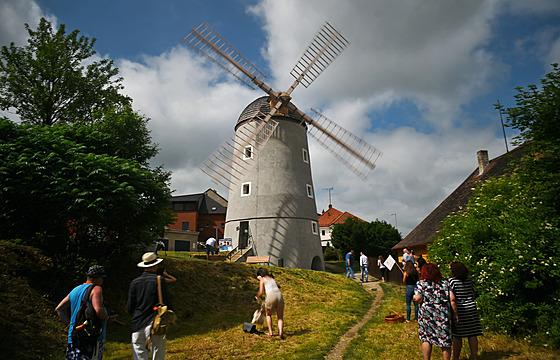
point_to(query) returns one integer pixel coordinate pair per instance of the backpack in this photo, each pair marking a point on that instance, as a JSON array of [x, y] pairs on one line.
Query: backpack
[[87, 326], [163, 319]]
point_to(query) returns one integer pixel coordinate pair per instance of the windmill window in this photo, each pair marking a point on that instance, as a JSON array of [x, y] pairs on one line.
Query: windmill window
[[314, 227], [310, 191], [305, 156], [248, 152], [246, 189]]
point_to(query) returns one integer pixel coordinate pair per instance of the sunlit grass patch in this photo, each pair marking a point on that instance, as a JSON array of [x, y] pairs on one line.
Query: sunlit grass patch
[[214, 299]]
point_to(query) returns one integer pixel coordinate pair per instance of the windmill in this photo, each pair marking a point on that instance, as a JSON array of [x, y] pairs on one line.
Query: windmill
[[266, 165]]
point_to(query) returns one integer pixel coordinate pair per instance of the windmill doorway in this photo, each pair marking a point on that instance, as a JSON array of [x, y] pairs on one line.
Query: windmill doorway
[[243, 234]]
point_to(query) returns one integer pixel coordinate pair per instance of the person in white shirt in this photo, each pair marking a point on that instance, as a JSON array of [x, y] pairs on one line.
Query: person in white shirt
[[405, 257], [364, 266], [210, 247]]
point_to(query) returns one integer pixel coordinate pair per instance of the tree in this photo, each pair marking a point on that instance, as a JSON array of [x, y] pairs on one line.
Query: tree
[[374, 238], [74, 200], [537, 114], [508, 234], [48, 82]]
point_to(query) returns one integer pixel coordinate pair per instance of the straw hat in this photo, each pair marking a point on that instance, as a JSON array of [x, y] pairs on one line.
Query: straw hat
[[149, 259]]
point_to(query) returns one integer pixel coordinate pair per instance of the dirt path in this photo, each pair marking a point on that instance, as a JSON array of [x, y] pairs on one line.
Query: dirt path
[[340, 348]]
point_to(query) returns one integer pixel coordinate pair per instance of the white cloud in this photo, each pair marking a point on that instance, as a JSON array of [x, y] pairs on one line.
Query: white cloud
[[431, 54], [13, 16]]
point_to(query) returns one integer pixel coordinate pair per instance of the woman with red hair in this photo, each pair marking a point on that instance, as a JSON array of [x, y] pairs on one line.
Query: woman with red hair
[[434, 327]]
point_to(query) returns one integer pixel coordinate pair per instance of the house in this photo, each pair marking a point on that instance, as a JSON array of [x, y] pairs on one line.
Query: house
[[426, 231], [327, 220], [198, 217]]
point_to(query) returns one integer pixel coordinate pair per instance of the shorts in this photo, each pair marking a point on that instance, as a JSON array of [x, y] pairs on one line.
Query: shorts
[[274, 300], [209, 249]]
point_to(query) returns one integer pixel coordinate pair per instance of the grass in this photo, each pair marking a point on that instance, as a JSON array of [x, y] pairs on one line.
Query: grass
[[379, 340], [213, 300]]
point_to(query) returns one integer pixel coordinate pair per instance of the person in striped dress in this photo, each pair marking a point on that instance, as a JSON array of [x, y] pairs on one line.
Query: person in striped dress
[[468, 324]]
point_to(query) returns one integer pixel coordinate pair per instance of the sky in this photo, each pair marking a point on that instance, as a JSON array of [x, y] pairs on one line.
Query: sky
[[418, 81]]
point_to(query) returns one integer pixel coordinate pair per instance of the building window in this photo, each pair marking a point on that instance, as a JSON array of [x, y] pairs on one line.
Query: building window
[[310, 191], [305, 156], [246, 189], [185, 226], [323, 232], [314, 227], [248, 152], [178, 206]]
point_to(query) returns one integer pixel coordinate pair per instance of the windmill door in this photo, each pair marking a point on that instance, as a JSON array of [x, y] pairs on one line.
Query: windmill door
[[243, 234]]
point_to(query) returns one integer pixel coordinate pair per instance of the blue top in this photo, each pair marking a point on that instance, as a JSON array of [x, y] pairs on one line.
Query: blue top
[[349, 256], [76, 296]]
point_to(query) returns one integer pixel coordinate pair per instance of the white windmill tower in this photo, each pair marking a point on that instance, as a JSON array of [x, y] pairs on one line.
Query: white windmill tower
[[271, 205]]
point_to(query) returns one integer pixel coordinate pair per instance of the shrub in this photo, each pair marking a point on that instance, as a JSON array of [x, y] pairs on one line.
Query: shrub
[[332, 254], [508, 237]]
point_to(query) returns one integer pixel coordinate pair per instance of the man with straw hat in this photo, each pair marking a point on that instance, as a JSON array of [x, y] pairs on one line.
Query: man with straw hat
[[142, 298]]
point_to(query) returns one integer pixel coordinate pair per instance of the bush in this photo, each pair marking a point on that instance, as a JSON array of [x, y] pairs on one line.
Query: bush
[[332, 254], [508, 237]]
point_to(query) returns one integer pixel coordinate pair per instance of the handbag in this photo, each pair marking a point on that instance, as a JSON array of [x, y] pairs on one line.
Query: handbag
[[258, 315], [163, 319], [249, 328]]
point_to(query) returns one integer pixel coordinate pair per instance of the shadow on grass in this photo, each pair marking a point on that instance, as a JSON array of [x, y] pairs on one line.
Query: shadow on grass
[[497, 354]]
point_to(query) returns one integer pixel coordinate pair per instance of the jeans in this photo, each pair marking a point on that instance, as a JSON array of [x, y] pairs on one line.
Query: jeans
[[349, 271], [408, 298], [364, 271]]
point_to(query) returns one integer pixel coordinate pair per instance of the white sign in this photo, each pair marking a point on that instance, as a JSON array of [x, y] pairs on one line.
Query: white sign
[[389, 263]]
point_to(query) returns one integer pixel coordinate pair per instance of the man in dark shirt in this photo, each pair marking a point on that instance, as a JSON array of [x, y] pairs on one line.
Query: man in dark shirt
[[142, 298]]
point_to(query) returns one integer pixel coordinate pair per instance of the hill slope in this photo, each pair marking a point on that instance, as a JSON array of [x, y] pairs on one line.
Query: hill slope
[[212, 301]]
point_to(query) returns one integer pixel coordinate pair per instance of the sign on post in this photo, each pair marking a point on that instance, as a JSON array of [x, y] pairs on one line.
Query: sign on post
[[389, 263]]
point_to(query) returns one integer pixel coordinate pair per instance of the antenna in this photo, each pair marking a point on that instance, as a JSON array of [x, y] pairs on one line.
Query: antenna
[[503, 128], [329, 190]]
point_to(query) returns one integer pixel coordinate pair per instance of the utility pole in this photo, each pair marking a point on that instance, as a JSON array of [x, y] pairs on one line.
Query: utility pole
[[503, 129]]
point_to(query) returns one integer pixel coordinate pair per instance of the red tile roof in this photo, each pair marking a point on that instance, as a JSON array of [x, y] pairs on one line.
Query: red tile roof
[[333, 216]]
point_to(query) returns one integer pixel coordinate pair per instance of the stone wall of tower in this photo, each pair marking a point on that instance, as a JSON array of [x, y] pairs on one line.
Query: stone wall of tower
[[278, 203]]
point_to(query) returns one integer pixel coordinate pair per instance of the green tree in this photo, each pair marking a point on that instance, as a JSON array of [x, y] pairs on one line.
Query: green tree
[[71, 198], [374, 238], [537, 114], [54, 80], [508, 234]]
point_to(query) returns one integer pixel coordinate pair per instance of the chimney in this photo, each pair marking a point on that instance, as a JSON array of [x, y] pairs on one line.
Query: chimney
[[482, 160]]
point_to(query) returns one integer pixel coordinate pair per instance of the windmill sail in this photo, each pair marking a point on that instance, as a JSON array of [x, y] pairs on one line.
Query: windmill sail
[[208, 42], [324, 48], [226, 165], [355, 153]]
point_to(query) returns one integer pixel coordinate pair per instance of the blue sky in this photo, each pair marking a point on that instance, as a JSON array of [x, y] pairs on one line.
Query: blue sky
[[417, 81]]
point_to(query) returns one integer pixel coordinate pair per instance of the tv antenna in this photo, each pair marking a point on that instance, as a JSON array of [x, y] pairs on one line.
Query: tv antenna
[[329, 190]]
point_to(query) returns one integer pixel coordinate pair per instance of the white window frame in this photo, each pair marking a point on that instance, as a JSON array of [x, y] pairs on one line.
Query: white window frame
[[305, 155], [314, 228], [250, 148], [309, 190], [248, 184]]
